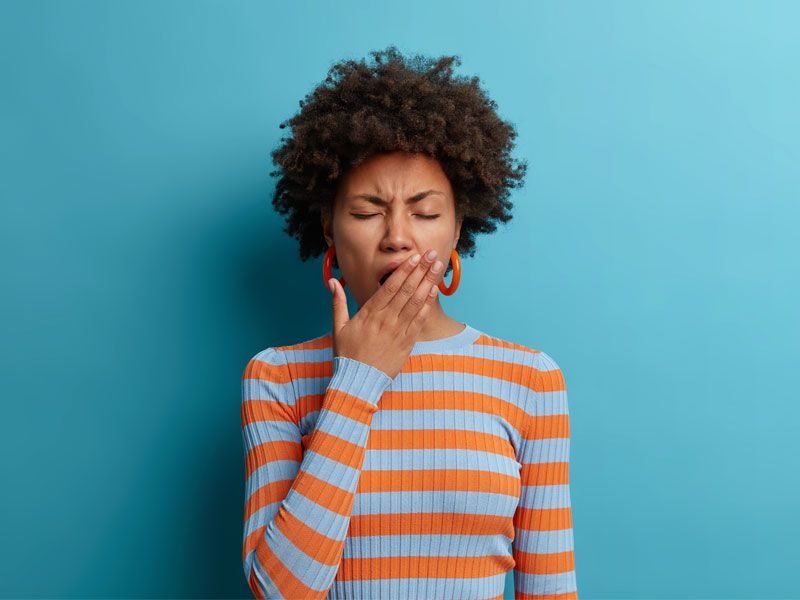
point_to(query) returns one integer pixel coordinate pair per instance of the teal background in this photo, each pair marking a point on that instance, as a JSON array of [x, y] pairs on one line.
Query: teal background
[[652, 255]]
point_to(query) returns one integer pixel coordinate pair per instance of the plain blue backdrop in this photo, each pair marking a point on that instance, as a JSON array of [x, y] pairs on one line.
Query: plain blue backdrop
[[652, 254]]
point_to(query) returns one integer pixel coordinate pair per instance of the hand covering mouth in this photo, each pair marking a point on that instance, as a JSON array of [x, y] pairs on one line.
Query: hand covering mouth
[[390, 268], [386, 276]]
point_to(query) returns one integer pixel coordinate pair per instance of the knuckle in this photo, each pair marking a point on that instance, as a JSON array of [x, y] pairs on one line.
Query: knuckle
[[407, 288], [416, 301]]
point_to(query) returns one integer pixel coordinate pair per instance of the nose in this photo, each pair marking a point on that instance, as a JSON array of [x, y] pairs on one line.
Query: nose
[[397, 236]]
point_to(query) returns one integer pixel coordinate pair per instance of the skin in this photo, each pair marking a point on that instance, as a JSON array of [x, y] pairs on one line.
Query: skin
[[396, 230]]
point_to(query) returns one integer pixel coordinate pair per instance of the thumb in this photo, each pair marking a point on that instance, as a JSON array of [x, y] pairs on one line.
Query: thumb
[[340, 314]]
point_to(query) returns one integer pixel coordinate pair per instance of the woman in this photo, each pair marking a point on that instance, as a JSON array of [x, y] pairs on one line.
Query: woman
[[403, 454]]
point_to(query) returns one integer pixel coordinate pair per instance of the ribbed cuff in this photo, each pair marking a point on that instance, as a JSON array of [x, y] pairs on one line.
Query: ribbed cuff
[[359, 379]]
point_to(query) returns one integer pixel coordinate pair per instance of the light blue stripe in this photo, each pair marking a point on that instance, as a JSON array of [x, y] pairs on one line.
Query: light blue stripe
[[544, 542], [439, 458], [343, 427], [260, 518], [545, 496], [261, 389], [425, 545], [335, 473], [270, 355], [268, 587], [556, 583], [425, 419], [435, 501], [308, 570], [260, 432], [310, 512], [436, 419], [419, 587], [510, 355], [544, 450], [279, 470], [515, 394]]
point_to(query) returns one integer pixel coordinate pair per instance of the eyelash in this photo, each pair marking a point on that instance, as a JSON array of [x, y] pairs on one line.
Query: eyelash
[[375, 214]]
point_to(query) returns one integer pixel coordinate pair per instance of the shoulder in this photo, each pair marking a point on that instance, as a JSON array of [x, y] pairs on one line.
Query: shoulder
[[546, 365], [544, 373], [531, 355], [279, 362]]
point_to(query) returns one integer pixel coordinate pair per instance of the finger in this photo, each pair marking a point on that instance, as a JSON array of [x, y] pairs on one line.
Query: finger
[[380, 299], [420, 296], [339, 305], [410, 284], [418, 320]]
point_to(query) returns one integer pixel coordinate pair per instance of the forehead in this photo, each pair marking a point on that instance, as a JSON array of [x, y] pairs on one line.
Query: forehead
[[395, 174]]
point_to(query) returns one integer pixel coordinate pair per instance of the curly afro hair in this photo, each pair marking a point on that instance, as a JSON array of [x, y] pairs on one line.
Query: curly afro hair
[[396, 104]]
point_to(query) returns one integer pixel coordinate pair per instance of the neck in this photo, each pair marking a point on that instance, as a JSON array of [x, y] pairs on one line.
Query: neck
[[438, 325]]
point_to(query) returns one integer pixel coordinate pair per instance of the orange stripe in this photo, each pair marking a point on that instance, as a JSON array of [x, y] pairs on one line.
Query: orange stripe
[[322, 368], [404, 567], [309, 540], [514, 372], [268, 452], [506, 370], [255, 410], [445, 439], [491, 406], [550, 381], [288, 585], [320, 547], [429, 524], [552, 473], [549, 426], [315, 489], [318, 343], [556, 425], [542, 519], [450, 480], [336, 448], [275, 491], [545, 564], [323, 493], [251, 541], [253, 582], [486, 340], [259, 369]]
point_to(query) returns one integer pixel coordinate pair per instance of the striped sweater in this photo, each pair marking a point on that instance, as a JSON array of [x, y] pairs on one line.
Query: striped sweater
[[433, 484]]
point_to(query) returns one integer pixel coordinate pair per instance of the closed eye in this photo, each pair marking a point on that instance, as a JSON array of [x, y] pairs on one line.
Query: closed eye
[[359, 216]]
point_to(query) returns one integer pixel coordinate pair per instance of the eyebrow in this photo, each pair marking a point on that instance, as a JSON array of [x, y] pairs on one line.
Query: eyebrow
[[381, 202]]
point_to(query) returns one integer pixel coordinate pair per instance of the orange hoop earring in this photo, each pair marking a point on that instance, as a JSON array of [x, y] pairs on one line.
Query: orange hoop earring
[[456, 262], [327, 264]]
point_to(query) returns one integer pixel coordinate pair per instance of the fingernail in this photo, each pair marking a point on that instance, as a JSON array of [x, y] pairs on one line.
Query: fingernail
[[437, 266], [431, 254], [415, 259], [330, 285]]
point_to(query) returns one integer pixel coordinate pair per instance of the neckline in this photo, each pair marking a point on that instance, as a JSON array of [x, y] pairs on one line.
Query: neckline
[[464, 337]]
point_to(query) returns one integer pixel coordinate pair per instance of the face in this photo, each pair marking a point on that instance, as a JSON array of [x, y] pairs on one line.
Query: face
[[386, 209]]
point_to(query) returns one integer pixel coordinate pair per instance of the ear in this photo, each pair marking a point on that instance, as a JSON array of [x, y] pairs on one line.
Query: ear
[[458, 231]]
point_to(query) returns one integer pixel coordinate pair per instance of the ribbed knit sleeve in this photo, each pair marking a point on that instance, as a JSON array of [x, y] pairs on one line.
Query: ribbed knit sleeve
[[543, 542], [298, 504]]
